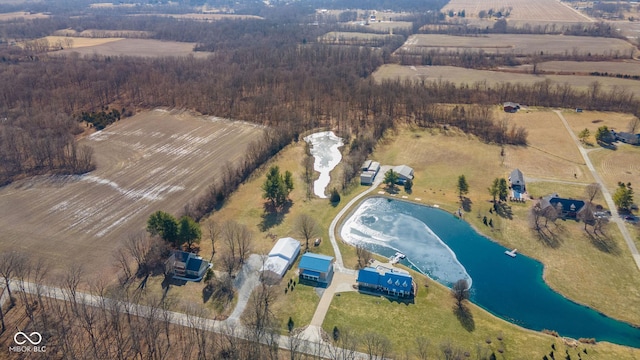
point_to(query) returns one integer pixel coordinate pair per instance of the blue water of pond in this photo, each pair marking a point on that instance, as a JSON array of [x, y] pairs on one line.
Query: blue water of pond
[[447, 249]]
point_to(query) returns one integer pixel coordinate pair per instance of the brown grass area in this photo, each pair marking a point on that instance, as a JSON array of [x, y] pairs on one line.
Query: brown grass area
[[625, 67], [93, 33], [470, 76], [22, 15], [622, 164], [81, 42], [551, 153], [572, 265], [132, 47], [210, 17], [153, 161], [520, 44], [545, 10], [339, 36]]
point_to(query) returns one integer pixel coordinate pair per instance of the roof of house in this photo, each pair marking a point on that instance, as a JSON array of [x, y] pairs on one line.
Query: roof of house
[[567, 204], [516, 177], [391, 280], [627, 136], [181, 256], [404, 171], [275, 264], [366, 164], [195, 264], [375, 166], [286, 248], [511, 104], [315, 262]]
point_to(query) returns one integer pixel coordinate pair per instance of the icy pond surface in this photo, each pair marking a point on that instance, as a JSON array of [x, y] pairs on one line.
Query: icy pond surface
[[377, 225], [510, 288], [325, 150]]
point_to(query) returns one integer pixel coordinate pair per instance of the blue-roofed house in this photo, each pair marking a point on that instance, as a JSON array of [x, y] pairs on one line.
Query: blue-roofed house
[[392, 282], [567, 208], [187, 266], [316, 268]]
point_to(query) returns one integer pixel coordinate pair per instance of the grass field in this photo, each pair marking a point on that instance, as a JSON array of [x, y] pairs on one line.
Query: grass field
[[153, 161], [21, 15], [208, 17], [544, 10], [470, 76], [521, 44], [432, 318], [132, 47], [81, 42], [94, 33], [622, 164], [625, 67]]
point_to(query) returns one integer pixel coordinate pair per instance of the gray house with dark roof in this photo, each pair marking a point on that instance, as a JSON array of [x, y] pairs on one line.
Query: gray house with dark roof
[[517, 181], [629, 138], [404, 173], [187, 266], [567, 208]]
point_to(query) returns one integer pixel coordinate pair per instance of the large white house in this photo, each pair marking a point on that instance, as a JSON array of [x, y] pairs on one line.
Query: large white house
[[280, 258]]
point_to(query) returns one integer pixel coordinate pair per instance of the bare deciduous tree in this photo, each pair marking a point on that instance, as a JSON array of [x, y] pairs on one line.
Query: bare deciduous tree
[[214, 231], [422, 348], [592, 191], [307, 228], [11, 263], [364, 256], [378, 346]]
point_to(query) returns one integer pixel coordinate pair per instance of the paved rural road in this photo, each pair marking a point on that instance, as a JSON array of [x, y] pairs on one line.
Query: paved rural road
[[316, 349], [334, 223], [605, 192]]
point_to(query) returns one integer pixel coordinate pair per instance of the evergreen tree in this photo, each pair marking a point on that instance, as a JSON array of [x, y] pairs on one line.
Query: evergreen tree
[[463, 186], [623, 197], [503, 189], [276, 188], [188, 231], [164, 225]]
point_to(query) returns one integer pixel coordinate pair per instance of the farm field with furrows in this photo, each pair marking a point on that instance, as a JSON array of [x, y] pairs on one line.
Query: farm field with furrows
[[132, 47], [153, 161], [544, 10], [21, 15], [625, 67], [470, 76], [521, 44]]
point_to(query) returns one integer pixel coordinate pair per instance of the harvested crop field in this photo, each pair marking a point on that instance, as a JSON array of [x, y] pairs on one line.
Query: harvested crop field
[[620, 165], [21, 15], [625, 67], [543, 10], [470, 76], [519, 45], [153, 161], [134, 47]]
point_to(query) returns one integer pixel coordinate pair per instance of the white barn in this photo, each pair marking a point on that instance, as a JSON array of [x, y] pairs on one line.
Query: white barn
[[280, 258]]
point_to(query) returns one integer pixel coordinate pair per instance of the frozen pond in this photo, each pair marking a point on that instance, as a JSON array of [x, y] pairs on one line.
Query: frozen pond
[[385, 231], [325, 149], [447, 249]]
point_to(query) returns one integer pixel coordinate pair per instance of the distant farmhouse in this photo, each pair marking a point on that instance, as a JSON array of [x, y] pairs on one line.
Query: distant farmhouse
[[511, 107], [404, 173], [369, 171], [316, 268], [387, 281], [283, 254], [567, 208], [187, 266]]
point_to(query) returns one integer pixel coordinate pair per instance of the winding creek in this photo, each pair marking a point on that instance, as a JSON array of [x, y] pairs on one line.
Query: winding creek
[[447, 249]]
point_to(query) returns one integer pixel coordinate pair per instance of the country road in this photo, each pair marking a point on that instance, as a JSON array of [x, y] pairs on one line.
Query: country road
[[615, 216]]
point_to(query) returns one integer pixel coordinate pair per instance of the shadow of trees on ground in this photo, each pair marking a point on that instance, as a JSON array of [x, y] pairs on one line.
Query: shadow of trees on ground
[[466, 204], [465, 317], [503, 210], [604, 243], [272, 217], [548, 238]]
